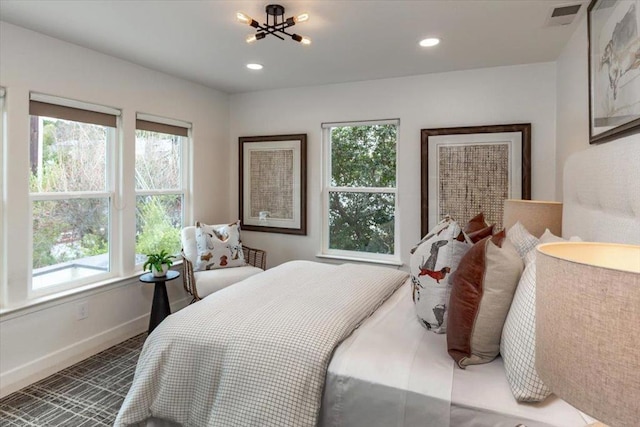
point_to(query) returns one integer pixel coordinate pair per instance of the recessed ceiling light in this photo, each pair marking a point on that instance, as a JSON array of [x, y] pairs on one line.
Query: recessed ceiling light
[[429, 42], [254, 66]]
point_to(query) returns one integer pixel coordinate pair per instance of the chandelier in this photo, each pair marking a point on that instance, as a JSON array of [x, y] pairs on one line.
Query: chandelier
[[275, 25]]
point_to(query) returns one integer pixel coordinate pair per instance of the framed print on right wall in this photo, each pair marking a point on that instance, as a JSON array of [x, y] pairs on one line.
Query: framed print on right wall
[[473, 169], [614, 69]]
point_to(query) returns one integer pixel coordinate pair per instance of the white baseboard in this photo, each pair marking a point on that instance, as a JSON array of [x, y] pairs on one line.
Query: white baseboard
[[55, 361]]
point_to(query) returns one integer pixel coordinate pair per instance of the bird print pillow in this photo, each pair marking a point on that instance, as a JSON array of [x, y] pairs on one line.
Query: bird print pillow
[[219, 246], [432, 262]]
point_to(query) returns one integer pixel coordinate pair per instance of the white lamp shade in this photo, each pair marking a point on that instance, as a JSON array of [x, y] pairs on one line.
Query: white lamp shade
[[588, 327], [535, 215]]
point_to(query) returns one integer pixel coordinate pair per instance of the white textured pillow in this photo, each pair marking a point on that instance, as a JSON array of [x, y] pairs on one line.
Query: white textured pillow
[[522, 239], [219, 246], [549, 237], [529, 257], [434, 260], [518, 344]]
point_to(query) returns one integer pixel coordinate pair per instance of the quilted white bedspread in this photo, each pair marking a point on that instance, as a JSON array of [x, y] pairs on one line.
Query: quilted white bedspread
[[255, 353]]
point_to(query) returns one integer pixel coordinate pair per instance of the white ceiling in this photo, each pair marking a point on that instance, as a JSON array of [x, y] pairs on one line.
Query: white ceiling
[[201, 41]]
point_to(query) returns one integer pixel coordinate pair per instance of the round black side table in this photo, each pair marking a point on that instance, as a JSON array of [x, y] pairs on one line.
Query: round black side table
[[160, 308]]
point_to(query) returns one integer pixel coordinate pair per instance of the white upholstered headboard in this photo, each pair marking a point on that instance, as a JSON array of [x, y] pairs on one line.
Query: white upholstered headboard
[[602, 193]]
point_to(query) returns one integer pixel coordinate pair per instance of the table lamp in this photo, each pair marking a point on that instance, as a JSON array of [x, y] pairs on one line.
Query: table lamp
[[588, 327], [535, 215]]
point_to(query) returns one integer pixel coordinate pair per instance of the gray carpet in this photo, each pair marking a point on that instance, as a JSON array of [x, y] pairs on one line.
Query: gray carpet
[[87, 394]]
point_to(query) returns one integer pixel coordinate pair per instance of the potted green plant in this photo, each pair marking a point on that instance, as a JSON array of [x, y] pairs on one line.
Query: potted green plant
[[158, 263]]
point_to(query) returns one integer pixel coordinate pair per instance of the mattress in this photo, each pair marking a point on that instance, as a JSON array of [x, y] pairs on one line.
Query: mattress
[[392, 372]]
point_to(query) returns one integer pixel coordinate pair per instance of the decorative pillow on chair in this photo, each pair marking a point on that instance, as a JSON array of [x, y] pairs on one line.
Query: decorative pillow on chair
[[432, 262], [219, 246], [481, 295], [518, 345]]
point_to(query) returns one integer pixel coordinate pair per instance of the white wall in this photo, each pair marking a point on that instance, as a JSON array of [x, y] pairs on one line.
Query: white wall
[[39, 340], [501, 95], [572, 132]]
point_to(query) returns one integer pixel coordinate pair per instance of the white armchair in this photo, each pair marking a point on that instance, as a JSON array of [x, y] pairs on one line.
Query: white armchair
[[202, 283]]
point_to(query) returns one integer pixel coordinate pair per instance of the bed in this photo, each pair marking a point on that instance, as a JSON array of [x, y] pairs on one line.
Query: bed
[[392, 372]]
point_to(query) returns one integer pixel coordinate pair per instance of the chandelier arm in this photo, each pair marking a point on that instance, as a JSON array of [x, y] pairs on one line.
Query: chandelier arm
[[272, 32], [282, 31], [283, 24], [271, 28], [262, 27]]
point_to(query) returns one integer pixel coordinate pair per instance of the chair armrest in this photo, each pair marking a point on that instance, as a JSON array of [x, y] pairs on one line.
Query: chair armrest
[[188, 280], [255, 257]]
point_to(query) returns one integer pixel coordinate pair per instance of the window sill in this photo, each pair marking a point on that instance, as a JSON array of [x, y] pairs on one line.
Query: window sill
[[395, 263], [64, 297]]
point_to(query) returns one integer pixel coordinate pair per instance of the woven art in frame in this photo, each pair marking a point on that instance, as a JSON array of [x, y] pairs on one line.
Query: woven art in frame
[[273, 183], [467, 170]]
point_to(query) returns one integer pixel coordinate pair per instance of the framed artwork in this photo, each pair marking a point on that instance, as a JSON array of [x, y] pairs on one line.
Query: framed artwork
[[614, 69], [468, 170], [273, 183]]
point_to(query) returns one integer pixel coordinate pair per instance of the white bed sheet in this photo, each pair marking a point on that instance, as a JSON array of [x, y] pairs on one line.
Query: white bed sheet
[[392, 372], [482, 397], [389, 372]]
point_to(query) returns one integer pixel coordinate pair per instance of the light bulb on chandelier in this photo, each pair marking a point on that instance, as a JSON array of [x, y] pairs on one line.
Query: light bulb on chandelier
[[253, 37], [244, 18], [301, 18]]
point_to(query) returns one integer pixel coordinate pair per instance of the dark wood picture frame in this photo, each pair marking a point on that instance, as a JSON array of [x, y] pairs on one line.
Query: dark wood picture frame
[[297, 144], [523, 128], [607, 70]]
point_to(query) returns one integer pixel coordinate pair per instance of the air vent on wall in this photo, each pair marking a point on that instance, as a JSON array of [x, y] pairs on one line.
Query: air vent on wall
[[563, 15]]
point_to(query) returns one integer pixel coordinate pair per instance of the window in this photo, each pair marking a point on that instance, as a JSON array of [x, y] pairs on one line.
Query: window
[[161, 184], [71, 192], [360, 194]]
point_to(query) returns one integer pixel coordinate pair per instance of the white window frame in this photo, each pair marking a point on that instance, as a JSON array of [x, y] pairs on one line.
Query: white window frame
[[185, 171], [3, 246], [111, 181], [327, 188]]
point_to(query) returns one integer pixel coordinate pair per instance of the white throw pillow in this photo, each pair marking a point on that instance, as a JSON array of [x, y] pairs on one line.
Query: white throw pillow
[[434, 260], [522, 239], [219, 246], [549, 237], [518, 344]]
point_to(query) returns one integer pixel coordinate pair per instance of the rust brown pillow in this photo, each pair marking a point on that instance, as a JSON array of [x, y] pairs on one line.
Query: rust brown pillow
[[476, 236], [483, 287], [476, 229], [476, 223]]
